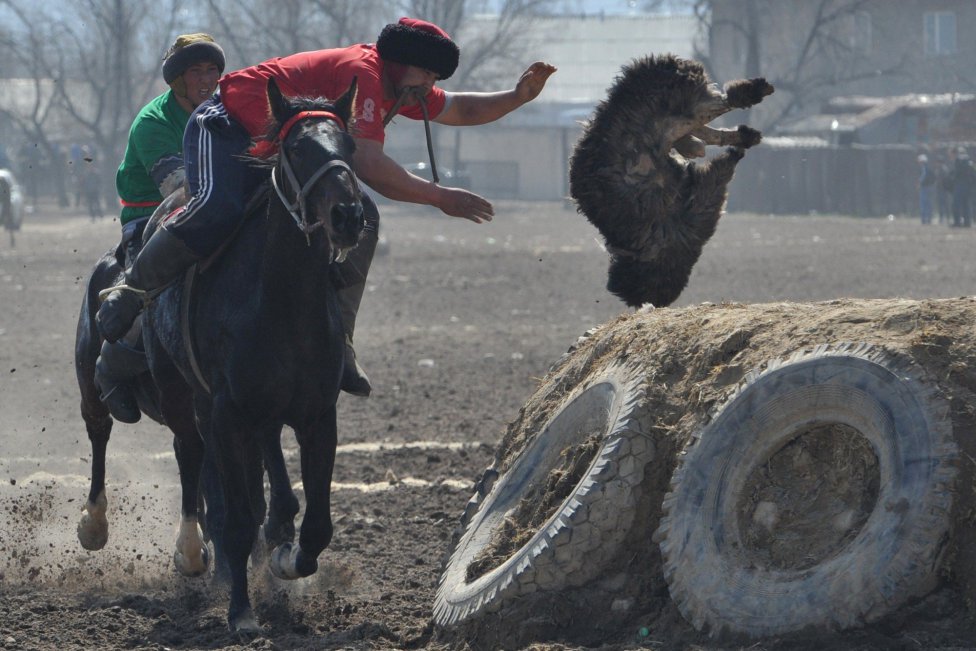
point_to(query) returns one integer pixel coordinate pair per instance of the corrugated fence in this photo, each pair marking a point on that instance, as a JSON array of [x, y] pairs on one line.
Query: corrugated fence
[[852, 180]]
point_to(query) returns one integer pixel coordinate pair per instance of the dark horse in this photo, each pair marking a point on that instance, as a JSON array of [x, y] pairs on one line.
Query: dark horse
[[267, 342], [173, 408], [175, 411]]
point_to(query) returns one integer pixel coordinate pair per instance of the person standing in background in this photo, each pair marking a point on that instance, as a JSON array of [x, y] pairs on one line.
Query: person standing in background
[[926, 188], [963, 180]]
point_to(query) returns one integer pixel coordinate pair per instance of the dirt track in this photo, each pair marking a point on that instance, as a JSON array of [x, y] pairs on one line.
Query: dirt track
[[459, 323]]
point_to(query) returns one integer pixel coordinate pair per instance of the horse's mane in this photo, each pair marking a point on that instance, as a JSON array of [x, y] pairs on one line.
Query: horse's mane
[[296, 104]]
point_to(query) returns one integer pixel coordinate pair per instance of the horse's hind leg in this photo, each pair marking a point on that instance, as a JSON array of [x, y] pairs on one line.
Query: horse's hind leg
[[191, 556], [318, 447], [93, 526]]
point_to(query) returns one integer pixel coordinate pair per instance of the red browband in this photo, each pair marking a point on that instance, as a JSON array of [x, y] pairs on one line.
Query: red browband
[[308, 114]]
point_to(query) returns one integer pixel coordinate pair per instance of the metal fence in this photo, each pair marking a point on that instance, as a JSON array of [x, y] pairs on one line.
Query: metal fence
[[853, 180]]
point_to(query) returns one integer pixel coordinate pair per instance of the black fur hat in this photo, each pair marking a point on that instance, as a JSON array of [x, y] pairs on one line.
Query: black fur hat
[[419, 43], [188, 50]]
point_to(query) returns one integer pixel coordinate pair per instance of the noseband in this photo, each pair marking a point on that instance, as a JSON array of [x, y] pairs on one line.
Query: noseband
[[297, 207]]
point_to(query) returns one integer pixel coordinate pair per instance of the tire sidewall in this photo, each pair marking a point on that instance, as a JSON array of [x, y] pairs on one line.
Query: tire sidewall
[[892, 557]]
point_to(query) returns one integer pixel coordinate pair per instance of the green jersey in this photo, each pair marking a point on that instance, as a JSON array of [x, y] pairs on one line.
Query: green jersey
[[153, 152]]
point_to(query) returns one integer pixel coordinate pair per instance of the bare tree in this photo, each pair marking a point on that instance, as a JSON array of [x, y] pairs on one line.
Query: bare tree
[[255, 30], [92, 64], [493, 49], [806, 49]]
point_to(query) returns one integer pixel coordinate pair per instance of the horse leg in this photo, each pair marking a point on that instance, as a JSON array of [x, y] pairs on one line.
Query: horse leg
[[318, 448], [191, 556], [93, 526], [212, 493], [284, 506], [237, 456]]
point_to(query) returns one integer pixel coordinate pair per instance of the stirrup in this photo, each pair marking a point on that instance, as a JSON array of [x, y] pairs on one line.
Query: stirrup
[[141, 293], [122, 403]]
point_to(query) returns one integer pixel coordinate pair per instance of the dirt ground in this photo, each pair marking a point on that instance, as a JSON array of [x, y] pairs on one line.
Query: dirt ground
[[459, 325]]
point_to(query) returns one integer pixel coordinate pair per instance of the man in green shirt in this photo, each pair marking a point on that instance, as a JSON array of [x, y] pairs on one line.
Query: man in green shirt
[[152, 169]]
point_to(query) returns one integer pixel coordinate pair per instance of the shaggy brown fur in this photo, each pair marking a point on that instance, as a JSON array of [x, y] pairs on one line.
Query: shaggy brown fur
[[631, 176]]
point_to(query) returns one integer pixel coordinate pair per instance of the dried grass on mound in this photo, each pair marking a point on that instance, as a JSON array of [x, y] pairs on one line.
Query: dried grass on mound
[[693, 358]]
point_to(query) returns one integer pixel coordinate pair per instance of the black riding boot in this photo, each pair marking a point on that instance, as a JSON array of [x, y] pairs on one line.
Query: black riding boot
[[351, 283], [354, 378], [163, 258], [118, 365]]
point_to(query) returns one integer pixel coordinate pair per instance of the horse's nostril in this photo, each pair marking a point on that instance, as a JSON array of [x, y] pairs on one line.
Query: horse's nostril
[[348, 217]]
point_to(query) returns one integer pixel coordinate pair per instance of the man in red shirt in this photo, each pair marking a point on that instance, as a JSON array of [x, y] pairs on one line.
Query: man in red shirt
[[405, 63]]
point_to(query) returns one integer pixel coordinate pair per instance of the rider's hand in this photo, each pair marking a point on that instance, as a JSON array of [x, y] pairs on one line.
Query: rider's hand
[[533, 80], [457, 202]]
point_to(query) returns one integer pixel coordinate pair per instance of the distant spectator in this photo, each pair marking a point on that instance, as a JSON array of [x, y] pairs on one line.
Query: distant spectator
[[90, 184], [76, 171], [963, 180], [926, 188], [943, 193]]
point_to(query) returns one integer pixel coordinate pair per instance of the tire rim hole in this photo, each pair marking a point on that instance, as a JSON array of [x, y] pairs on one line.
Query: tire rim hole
[[809, 499], [546, 491]]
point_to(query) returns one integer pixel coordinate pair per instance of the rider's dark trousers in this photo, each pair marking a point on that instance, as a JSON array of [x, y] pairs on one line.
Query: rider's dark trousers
[[220, 181]]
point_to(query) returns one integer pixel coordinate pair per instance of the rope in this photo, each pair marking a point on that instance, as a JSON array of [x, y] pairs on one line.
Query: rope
[[404, 94]]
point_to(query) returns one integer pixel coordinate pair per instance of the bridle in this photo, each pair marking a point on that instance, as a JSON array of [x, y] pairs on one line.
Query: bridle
[[297, 208]]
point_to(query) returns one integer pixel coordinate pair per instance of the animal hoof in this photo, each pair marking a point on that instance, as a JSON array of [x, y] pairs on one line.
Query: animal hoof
[[92, 534], [244, 623], [93, 526], [288, 563], [189, 567], [283, 562]]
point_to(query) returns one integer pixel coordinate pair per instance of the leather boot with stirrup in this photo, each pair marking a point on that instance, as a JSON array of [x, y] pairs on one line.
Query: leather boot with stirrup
[[354, 379], [163, 259], [116, 368]]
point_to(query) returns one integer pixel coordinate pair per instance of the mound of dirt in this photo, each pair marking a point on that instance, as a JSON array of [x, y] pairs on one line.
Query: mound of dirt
[[691, 360]]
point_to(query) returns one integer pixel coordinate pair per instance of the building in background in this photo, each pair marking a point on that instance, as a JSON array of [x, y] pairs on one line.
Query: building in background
[[525, 155]]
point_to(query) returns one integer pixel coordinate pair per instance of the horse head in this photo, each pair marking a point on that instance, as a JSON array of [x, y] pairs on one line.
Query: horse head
[[313, 175]]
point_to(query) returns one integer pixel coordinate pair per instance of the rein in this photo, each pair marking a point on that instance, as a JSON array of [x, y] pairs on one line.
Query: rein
[[404, 95], [297, 208]]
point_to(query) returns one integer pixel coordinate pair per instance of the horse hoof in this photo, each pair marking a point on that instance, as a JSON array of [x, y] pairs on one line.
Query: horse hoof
[[244, 623], [189, 567], [92, 534], [288, 563], [283, 562], [93, 526]]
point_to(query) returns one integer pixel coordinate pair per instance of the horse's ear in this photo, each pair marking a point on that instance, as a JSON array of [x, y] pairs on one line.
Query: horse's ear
[[276, 101], [344, 105]]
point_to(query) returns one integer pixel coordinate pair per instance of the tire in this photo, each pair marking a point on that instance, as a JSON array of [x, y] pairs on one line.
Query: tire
[[586, 528], [722, 581]]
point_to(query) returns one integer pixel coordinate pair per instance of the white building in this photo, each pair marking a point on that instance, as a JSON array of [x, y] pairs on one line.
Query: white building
[[526, 154]]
